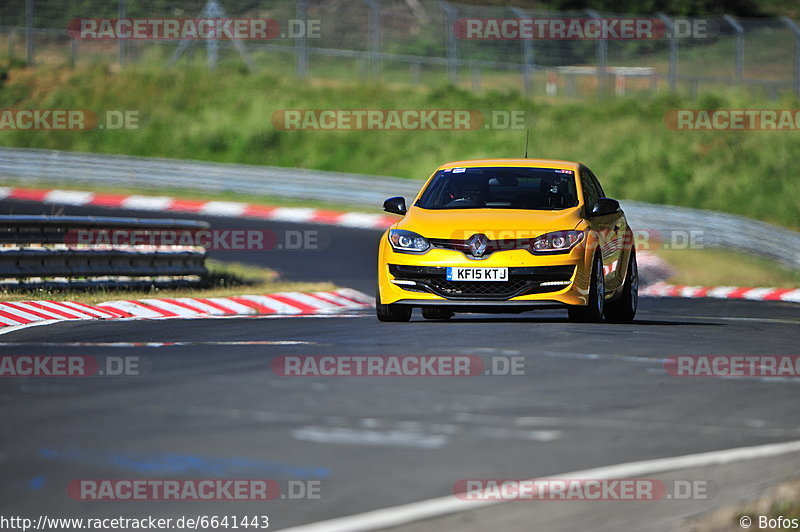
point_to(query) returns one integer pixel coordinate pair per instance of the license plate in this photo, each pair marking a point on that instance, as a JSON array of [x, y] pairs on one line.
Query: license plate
[[477, 274]]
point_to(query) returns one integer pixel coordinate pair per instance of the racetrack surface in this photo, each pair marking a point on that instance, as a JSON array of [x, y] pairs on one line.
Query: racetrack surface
[[592, 395]]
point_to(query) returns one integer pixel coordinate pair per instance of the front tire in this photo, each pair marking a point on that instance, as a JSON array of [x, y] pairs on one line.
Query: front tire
[[593, 312], [391, 312], [624, 309]]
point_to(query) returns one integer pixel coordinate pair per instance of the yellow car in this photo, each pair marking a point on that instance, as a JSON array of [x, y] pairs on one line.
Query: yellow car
[[508, 235]]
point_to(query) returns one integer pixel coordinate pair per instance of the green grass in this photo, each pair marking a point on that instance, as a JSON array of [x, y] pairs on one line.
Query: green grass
[[778, 500], [721, 267], [226, 117], [225, 279]]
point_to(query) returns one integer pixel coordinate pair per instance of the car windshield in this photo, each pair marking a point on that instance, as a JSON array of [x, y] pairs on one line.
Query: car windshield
[[500, 188]]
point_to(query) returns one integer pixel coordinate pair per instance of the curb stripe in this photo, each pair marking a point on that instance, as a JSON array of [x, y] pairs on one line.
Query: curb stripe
[[29, 194], [258, 307], [278, 307], [38, 312], [186, 304], [231, 307], [61, 310], [294, 303], [282, 303], [213, 308], [327, 300], [12, 319], [206, 207], [92, 311], [108, 200], [722, 292], [169, 309], [17, 314]]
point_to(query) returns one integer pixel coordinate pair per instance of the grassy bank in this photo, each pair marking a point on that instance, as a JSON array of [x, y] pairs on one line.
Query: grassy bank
[[226, 116], [722, 267]]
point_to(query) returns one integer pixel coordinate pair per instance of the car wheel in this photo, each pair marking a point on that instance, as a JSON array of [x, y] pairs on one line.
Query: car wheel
[[391, 312], [436, 313], [624, 308], [593, 312]]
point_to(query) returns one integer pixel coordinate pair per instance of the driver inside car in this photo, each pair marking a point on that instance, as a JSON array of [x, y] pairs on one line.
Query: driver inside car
[[475, 191]]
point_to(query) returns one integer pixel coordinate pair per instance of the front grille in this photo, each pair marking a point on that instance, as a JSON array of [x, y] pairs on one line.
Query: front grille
[[521, 281], [491, 246]]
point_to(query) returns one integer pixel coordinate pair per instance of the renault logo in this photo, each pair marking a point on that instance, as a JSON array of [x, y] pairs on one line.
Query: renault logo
[[478, 244]]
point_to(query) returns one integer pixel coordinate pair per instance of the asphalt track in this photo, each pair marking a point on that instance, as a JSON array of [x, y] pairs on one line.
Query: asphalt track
[[592, 395]]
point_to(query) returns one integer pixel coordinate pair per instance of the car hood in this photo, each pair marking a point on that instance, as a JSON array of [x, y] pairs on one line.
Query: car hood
[[460, 224]]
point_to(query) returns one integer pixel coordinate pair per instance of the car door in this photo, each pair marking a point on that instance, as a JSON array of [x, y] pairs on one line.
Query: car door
[[610, 228]]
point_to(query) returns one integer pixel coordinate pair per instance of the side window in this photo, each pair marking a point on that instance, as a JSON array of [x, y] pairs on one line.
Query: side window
[[596, 184], [590, 193]]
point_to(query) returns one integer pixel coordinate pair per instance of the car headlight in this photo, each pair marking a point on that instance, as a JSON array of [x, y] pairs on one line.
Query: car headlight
[[408, 241], [557, 242]]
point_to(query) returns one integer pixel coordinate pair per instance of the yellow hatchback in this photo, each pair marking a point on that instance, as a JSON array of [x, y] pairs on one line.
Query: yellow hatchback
[[508, 235]]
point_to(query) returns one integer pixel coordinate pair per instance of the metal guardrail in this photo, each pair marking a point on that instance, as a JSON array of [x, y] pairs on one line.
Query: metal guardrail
[[49, 166], [37, 250], [32, 165], [718, 229]]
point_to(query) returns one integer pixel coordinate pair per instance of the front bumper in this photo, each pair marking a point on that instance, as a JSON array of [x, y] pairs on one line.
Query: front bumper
[[521, 281], [534, 280]]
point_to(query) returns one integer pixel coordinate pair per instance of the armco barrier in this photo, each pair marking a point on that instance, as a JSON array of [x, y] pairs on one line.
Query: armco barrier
[[37, 248]]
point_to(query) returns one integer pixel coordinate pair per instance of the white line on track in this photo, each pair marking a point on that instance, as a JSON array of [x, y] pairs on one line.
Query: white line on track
[[14, 328], [418, 511], [792, 321]]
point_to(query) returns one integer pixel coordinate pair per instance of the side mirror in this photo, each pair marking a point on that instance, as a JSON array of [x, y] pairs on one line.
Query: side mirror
[[396, 205], [605, 206]]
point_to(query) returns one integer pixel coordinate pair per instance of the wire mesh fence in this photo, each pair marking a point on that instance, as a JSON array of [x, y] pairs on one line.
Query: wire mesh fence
[[419, 42]]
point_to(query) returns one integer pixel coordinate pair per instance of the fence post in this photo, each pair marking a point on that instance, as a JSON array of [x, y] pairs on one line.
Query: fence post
[[527, 55], [73, 53], [796, 30], [450, 14], [374, 38], [12, 37], [300, 44], [739, 45], [29, 29], [571, 90], [416, 77], [475, 74], [602, 55], [673, 51]]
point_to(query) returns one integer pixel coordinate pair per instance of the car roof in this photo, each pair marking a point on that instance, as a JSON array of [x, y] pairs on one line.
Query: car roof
[[525, 163]]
